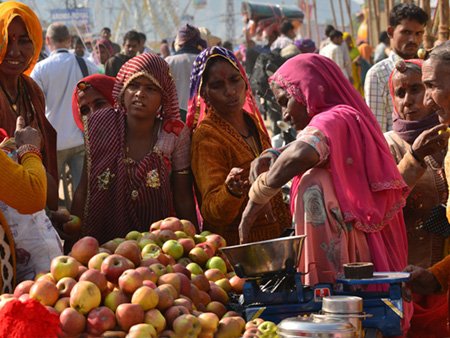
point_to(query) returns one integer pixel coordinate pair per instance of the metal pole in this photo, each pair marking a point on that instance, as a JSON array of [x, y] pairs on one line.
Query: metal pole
[[342, 16], [334, 14], [349, 12]]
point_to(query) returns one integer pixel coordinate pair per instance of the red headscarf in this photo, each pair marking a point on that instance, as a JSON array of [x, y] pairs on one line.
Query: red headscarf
[[368, 185], [102, 83], [157, 70], [409, 130]]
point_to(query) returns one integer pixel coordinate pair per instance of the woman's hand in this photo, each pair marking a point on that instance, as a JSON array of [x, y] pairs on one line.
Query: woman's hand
[[261, 164], [249, 215], [422, 281], [431, 141], [26, 135], [235, 183]]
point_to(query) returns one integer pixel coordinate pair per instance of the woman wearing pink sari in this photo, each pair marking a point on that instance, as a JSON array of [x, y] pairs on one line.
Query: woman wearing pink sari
[[347, 193]]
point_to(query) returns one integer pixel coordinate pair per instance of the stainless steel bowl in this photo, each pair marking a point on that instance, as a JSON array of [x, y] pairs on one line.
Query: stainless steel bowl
[[260, 258], [342, 304]]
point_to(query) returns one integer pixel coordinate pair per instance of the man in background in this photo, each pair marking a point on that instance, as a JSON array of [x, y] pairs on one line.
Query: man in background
[[130, 47]]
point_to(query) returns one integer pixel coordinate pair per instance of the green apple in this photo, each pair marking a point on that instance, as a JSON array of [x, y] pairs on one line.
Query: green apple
[[173, 248], [136, 235], [151, 250], [194, 268], [267, 329], [217, 263], [199, 238]]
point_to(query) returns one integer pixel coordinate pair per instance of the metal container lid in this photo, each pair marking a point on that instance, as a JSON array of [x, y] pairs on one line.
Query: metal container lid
[[299, 326], [342, 304]]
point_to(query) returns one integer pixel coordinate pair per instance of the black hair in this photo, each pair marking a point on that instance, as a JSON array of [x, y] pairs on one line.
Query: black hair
[[212, 61], [106, 29], [407, 11], [328, 30], [142, 36], [285, 27], [131, 36], [228, 45], [164, 41], [384, 37], [335, 34]]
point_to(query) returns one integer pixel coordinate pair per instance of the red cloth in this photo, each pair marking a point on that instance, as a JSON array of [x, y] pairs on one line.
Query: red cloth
[[27, 319], [102, 83], [3, 134], [430, 317]]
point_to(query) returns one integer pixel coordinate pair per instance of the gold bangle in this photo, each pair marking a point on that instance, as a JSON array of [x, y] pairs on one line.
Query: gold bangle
[[183, 172], [260, 192]]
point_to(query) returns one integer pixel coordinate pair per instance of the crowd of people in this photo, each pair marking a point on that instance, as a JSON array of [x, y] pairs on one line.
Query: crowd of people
[[136, 136]]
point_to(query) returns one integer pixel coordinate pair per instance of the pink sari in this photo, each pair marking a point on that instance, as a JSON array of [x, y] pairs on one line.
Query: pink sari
[[369, 189]]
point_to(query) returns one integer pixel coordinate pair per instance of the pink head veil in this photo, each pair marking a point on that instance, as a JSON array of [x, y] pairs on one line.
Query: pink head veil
[[368, 185]]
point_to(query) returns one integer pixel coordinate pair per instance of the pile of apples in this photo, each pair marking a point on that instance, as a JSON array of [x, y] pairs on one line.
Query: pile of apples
[[167, 282]]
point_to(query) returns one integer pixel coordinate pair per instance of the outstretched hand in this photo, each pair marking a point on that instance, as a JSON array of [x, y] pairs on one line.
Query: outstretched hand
[[26, 135], [249, 215], [422, 281], [236, 183], [431, 141]]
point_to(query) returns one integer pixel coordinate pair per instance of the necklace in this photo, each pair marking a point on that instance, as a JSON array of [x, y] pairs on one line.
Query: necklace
[[251, 142], [12, 103]]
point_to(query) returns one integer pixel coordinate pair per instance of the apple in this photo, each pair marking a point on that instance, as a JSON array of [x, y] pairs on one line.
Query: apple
[[155, 318], [231, 314], [48, 277], [199, 238], [187, 324], [149, 235], [218, 294], [184, 260], [185, 302], [172, 279], [181, 269], [187, 243], [188, 228], [155, 226], [172, 224], [23, 298], [205, 299], [151, 250], [167, 334], [64, 266], [214, 275], [65, 285], [147, 274], [267, 328], [112, 245], [146, 297], [23, 288], [237, 284], [142, 330], [252, 333], [99, 320], [173, 312], [81, 269], [96, 261], [130, 280], [114, 334], [254, 323], [96, 277], [198, 255], [45, 292], [167, 260], [131, 250], [209, 249], [194, 268], [128, 315], [62, 304], [115, 298], [195, 296], [224, 283], [208, 321], [133, 235], [101, 249], [166, 298], [149, 283], [216, 263], [181, 234], [72, 322], [158, 269], [216, 240], [201, 282], [146, 261], [165, 235], [73, 226], [216, 307], [230, 327], [84, 249], [85, 296], [144, 241], [114, 265], [205, 233]]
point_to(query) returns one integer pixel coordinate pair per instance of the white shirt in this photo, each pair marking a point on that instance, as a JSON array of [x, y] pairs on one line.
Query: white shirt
[[57, 76], [181, 67], [281, 42], [335, 53]]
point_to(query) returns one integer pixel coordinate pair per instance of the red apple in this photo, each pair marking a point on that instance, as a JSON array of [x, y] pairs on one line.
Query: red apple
[[165, 298], [205, 299], [188, 227], [165, 235], [72, 322], [114, 265], [130, 280], [208, 321], [64, 266], [198, 255], [187, 325], [216, 307], [187, 243], [81, 269], [172, 279], [214, 275], [23, 288], [224, 283], [96, 277], [115, 298], [230, 327], [148, 261], [131, 250], [173, 312], [218, 294], [99, 320], [181, 269], [237, 284], [253, 323], [45, 292], [209, 249], [149, 283], [185, 302], [201, 282], [112, 245], [128, 315], [84, 249], [147, 274], [171, 223], [155, 226], [65, 285]]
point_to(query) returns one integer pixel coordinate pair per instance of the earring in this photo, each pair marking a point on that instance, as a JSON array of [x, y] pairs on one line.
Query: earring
[[159, 113]]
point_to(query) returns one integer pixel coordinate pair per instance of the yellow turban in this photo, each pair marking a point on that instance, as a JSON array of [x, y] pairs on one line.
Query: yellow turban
[[8, 11]]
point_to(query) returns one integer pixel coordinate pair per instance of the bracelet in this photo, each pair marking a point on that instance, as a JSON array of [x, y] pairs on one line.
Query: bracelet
[[421, 162], [28, 148], [183, 172], [272, 151], [232, 193], [260, 192]]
